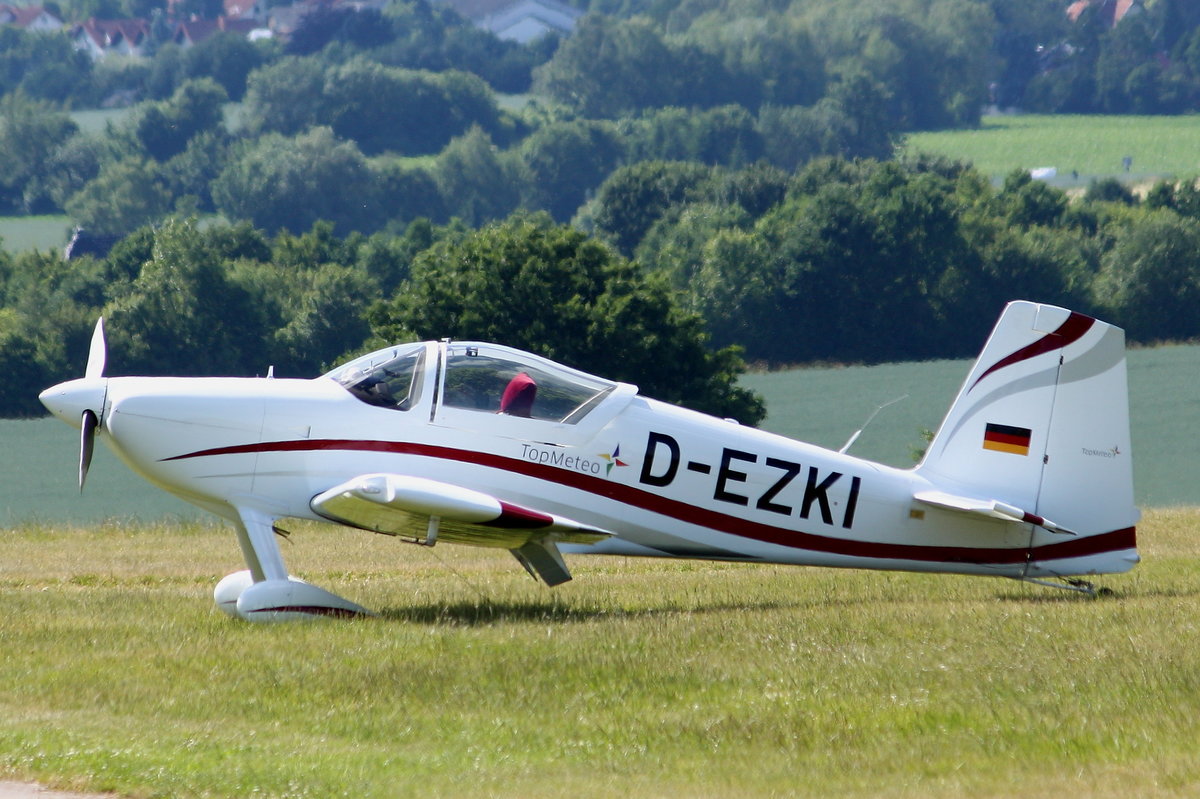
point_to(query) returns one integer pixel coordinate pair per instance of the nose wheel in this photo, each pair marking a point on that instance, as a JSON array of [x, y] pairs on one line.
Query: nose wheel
[[265, 591]]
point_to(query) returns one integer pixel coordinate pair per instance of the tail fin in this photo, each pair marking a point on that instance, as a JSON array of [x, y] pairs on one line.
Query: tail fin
[[1042, 422]]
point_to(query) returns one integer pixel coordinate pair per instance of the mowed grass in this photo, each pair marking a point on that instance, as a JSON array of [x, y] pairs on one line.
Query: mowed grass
[[640, 678], [1092, 146]]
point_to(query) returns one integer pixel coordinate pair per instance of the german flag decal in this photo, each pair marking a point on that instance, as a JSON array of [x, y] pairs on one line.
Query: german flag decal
[[1004, 438]]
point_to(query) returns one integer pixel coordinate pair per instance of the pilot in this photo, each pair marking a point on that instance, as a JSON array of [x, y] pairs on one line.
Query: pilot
[[375, 390], [518, 396]]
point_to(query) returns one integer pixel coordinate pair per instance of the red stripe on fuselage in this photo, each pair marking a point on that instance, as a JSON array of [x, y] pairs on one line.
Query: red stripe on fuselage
[[686, 512]]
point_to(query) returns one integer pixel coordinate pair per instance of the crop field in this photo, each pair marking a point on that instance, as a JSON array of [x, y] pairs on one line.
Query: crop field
[[1091, 146], [824, 406]]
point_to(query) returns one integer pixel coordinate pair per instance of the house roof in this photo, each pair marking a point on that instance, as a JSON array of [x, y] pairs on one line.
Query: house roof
[[197, 30], [236, 9], [517, 19], [27, 16], [108, 33], [1111, 11]]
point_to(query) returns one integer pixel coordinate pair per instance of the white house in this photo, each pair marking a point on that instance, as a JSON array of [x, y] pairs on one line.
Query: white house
[[518, 20], [30, 18]]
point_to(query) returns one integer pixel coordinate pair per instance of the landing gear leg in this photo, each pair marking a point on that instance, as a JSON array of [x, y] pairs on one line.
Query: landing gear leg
[[265, 591], [1072, 584]]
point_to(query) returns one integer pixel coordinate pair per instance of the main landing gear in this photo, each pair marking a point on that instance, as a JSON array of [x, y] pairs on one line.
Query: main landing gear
[[1073, 584]]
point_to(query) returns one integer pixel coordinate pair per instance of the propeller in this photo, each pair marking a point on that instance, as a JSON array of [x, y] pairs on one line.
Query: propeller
[[97, 352], [97, 355], [87, 443], [81, 401]]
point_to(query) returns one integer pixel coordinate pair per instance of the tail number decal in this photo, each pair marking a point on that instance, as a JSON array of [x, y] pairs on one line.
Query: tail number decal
[[663, 458]]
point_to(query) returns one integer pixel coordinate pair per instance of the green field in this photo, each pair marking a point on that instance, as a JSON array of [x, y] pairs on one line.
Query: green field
[[639, 678], [96, 120], [22, 233], [823, 406], [1092, 146]]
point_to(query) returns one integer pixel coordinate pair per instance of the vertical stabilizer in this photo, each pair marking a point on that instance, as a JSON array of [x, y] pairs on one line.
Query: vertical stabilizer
[[1042, 422]]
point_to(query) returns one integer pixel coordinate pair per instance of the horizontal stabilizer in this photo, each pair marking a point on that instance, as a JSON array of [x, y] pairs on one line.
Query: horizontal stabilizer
[[432, 510], [993, 508]]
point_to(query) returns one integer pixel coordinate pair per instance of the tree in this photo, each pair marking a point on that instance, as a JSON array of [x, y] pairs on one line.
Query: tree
[[549, 289], [566, 161], [1024, 201], [44, 65], [165, 128], [1123, 51], [191, 173], [633, 198], [285, 97], [477, 182], [1150, 281], [316, 29], [227, 58], [24, 374], [182, 314], [1109, 190], [290, 183], [69, 168], [324, 320], [608, 67], [124, 196], [408, 111], [30, 132], [840, 269]]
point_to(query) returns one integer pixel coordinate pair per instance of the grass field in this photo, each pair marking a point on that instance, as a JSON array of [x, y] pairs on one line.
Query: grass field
[[1092, 146], [640, 678]]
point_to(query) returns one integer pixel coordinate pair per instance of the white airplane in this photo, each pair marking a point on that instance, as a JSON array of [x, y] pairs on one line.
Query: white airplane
[[1029, 476]]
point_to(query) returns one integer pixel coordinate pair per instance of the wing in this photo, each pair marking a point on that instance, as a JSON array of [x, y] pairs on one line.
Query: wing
[[992, 508], [430, 511]]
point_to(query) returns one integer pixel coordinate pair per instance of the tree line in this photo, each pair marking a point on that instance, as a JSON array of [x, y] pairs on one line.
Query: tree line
[[722, 177], [681, 274]]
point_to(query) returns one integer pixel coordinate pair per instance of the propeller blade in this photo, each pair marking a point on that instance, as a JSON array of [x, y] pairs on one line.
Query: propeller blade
[[87, 444], [97, 353]]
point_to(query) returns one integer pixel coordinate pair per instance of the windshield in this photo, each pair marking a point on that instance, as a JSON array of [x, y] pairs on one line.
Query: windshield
[[388, 378], [499, 380]]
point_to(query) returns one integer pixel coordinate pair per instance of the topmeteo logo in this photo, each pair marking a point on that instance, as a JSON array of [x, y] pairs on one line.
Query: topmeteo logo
[[612, 459], [555, 457], [1111, 452]]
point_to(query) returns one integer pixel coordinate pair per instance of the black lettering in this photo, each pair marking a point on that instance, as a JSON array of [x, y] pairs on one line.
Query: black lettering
[[852, 502], [790, 470], [819, 493], [703, 468], [652, 443], [725, 474]]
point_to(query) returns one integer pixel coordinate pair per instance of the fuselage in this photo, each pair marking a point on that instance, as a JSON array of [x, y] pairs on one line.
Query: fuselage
[[665, 480]]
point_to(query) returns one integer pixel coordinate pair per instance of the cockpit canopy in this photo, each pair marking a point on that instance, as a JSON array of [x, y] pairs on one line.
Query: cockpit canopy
[[474, 376], [389, 378]]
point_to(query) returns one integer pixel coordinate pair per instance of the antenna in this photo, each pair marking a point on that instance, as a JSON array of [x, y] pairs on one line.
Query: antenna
[[870, 419]]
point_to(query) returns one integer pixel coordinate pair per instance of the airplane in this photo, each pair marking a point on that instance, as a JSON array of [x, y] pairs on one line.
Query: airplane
[[1029, 476]]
